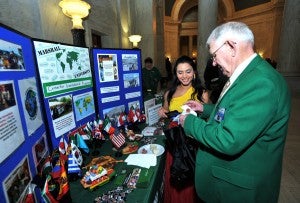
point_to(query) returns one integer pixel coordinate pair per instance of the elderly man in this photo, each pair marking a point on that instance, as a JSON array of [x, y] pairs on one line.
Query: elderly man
[[242, 140]]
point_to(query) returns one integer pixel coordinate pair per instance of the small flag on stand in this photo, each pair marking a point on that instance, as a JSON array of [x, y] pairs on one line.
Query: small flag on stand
[[108, 127], [121, 119], [47, 167], [132, 117], [73, 167], [77, 156], [137, 113], [81, 143], [29, 197], [90, 126], [84, 132], [140, 115], [46, 194], [63, 183], [118, 140], [63, 146], [98, 123], [56, 171], [97, 134], [63, 149]]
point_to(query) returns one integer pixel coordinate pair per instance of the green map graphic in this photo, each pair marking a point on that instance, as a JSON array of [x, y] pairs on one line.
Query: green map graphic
[[68, 57]]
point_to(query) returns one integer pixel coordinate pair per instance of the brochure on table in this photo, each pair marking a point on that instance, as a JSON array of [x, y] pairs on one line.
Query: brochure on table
[[117, 80], [23, 140], [65, 78], [148, 104], [153, 116]]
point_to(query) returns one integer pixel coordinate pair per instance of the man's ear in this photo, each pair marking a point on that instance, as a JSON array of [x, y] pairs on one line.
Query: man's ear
[[232, 46]]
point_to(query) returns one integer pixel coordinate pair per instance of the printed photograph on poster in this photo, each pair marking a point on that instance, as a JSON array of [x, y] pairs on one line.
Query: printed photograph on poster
[[134, 105], [131, 80], [31, 104], [62, 68], [29, 195], [40, 150], [7, 97], [114, 113], [83, 105], [11, 57], [108, 67], [11, 130], [62, 114], [129, 62], [16, 183]]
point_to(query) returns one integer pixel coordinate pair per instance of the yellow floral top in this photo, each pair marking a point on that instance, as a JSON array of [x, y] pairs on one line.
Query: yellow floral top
[[177, 102]]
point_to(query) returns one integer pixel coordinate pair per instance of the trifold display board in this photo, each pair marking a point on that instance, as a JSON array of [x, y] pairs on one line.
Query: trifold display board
[[118, 81], [23, 141], [49, 89], [66, 79]]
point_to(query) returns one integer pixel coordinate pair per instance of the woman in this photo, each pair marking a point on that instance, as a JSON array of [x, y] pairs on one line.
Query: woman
[[186, 86]]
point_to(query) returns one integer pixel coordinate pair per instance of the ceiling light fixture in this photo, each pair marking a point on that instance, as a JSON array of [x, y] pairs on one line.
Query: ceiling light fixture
[[75, 9], [135, 39]]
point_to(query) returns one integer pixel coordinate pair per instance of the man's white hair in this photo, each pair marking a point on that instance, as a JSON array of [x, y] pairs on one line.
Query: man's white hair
[[231, 31]]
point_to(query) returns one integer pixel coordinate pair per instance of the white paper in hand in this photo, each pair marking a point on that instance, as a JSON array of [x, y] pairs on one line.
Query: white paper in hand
[[187, 110]]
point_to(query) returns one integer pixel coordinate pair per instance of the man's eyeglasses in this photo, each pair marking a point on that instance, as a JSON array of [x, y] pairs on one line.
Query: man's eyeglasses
[[214, 54]]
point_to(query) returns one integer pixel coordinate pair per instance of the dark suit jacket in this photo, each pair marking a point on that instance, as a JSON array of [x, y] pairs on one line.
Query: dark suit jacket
[[240, 159]]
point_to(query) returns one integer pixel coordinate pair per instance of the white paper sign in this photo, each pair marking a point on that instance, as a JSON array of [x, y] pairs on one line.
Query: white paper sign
[[11, 131], [147, 104], [153, 116]]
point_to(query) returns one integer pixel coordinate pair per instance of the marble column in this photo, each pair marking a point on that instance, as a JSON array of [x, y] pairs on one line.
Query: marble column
[[190, 46], [207, 21], [289, 60]]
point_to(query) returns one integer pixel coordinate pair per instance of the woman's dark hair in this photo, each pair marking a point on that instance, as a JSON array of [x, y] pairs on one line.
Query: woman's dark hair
[[196, 82]]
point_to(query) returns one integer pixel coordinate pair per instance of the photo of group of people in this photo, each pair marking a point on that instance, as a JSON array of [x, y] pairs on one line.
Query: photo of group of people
[[129, 62], [11, 57], [16, 183]]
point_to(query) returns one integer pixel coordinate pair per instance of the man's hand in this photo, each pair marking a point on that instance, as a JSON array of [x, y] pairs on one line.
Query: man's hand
[[196, 106]]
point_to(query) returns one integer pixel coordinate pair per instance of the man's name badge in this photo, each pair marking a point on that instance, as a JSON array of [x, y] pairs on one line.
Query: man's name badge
[[220, 114]]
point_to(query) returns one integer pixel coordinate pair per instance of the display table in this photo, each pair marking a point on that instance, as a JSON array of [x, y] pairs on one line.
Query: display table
[[154, 191]]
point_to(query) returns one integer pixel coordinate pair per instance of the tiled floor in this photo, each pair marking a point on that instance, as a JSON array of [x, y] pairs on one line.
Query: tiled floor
[[290, 182]]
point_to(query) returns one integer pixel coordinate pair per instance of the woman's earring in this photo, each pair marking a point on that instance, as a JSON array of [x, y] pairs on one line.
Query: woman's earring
[[194, 76]]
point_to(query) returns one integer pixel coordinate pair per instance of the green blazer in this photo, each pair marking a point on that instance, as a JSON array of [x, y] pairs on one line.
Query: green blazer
[[242, 142]]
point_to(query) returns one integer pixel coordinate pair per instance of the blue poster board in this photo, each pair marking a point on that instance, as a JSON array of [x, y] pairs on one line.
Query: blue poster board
[[118, 80], [65, 78], [23, 140]]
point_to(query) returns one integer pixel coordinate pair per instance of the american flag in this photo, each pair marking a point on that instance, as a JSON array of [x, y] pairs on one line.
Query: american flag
[[118, 140]]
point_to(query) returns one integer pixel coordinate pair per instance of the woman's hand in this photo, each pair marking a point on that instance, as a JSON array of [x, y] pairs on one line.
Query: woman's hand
[[196, 106], [162, 112]]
